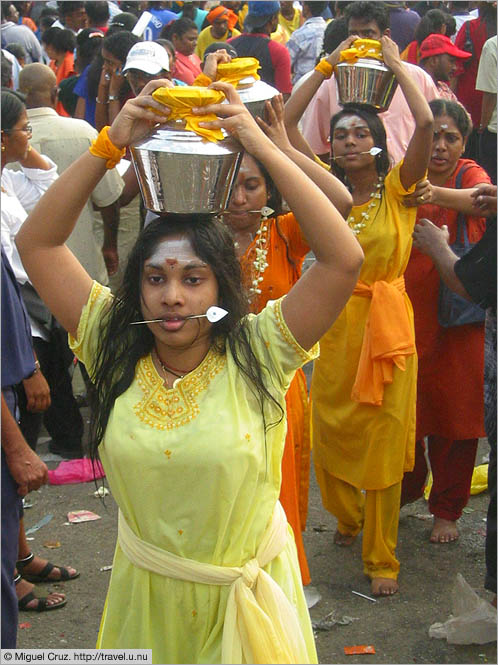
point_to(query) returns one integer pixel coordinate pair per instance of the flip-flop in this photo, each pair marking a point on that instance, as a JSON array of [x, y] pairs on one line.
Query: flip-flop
[[42, 606], [43, 575]]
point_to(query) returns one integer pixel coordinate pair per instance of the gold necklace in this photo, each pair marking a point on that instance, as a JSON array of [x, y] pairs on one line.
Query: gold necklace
[[357, 226]]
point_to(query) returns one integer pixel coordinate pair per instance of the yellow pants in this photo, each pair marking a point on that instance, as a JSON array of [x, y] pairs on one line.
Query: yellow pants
[[376, 512]]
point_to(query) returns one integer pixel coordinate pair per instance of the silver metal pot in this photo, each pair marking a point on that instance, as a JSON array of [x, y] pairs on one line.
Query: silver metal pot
[[179, 172], [367, 81], [254, 95]]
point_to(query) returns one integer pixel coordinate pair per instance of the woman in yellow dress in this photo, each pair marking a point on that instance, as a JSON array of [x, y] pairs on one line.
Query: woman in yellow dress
[[190, 425], [364, 383]]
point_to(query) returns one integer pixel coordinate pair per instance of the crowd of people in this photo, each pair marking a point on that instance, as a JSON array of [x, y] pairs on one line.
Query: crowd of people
[[382, 203]]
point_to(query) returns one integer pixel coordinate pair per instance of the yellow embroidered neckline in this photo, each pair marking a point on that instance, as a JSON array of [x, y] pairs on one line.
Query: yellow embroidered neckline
[[165, 408]]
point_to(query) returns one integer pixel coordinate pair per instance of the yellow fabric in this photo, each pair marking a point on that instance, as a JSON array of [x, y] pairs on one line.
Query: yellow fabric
[[192, 473], [206, 38], [325, 68], [182, 99], [387, 341], [293, 24], [261, 626], [362, 48], [236, 70], [375, 512], [367, 446], [103, 147], [202, 80], [280, 35]]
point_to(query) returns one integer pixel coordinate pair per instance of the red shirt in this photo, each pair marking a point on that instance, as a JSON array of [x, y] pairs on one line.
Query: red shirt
[[280, 59], [466, 86], [187, 67]]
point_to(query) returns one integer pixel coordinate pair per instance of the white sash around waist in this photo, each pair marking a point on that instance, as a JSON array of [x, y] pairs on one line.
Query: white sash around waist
[[261, 625]]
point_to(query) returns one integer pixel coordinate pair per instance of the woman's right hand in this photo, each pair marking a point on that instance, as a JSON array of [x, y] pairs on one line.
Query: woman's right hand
[[236, 119], [212, 62], [335, 56], [136, 119]]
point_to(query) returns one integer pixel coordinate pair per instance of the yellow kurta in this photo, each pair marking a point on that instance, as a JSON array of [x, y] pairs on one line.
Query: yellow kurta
[[192, 474], [367, 446]]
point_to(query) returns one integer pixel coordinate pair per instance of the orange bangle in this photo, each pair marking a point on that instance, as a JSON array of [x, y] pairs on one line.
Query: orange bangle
[[105, 148], [325, 68]]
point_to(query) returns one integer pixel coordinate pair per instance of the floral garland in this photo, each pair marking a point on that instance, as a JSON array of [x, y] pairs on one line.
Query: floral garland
[[375, 196], [260, 264]]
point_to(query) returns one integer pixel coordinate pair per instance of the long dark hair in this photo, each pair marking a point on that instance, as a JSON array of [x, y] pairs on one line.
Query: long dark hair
[[178, 28], [121, 345], [382, 161], [63, 41]]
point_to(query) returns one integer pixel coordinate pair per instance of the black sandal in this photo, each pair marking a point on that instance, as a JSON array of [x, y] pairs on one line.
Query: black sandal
[[43, 604], [43, 575]]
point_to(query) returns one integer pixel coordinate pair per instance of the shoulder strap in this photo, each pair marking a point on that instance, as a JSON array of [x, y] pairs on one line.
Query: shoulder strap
[[461, 219]]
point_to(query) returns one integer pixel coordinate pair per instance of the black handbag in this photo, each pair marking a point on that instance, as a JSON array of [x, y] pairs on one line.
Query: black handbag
[[453, 310]]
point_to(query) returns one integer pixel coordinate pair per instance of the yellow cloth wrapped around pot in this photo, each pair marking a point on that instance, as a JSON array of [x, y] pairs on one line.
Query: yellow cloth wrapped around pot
[[362, 48], [182, 99], [239, 68]]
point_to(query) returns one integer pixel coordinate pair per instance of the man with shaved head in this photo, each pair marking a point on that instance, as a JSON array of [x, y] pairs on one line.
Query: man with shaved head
[[64, 140]]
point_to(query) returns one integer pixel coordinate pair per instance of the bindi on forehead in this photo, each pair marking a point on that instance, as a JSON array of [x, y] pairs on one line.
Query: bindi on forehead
[[349, 122]]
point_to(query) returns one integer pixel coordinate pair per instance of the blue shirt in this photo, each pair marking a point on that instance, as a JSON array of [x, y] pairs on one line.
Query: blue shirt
[[17, 351], [81, 89], [305, 45], [160, 18]]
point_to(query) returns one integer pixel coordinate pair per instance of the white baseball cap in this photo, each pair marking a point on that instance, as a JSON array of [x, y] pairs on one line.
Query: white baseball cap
[[147, 57]]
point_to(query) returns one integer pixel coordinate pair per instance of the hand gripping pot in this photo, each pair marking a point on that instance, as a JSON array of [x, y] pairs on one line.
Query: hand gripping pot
[[254, 93], [183, 168], [363, 78]]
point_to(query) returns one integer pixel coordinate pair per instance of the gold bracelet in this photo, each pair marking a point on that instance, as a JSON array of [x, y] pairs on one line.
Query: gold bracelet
[[325, 68], [105, 148]]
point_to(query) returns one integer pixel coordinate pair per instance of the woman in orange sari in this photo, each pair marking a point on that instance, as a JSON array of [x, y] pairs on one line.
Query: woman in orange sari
[[272, 249], [59, 45]]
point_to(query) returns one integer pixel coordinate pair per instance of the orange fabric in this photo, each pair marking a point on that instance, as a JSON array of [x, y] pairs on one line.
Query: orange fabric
[[451, 360], [411, 53], [63, 71], [388, 339], [278, 279]]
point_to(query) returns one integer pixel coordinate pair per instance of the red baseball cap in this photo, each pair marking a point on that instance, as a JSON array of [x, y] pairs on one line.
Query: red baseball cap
[[437, 44]]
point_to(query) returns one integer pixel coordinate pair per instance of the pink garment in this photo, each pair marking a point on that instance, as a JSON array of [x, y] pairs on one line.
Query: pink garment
[[75, 471], [398, 120], [187, 67], [445, 92]]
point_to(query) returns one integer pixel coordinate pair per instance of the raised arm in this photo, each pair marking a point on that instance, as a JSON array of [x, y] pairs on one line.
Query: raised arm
[[418, 153], [298, 102], [318, 297], [53, 270], [461, 200], [331, 186]]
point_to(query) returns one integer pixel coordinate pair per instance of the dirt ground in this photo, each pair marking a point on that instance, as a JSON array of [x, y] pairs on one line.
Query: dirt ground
[[397, 627]]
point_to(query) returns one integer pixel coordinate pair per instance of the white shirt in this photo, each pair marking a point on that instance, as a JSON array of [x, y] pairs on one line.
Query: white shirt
[[64, 140], [21, 191]]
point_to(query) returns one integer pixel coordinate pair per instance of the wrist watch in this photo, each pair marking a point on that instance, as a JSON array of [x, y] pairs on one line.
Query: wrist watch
[[36, 369]]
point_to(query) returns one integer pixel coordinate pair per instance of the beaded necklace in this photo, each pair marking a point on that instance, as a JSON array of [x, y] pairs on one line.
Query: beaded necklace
[[375, 196]]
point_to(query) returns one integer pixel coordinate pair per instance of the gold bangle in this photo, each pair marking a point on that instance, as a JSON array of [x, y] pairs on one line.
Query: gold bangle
[[105, 148], [325, 68]]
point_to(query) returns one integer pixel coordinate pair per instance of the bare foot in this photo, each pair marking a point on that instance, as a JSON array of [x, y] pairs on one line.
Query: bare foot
[[384, 586], [343, 539], [444, 531], [24, 588]]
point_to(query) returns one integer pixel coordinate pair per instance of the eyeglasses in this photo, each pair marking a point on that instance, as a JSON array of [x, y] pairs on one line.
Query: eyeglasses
[[27, 129]]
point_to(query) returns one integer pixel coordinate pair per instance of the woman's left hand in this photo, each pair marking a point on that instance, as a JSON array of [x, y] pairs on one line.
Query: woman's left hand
[[236, 119], [429, 238], [423, 194], [274, 127], [390, 53], [136, 119]]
